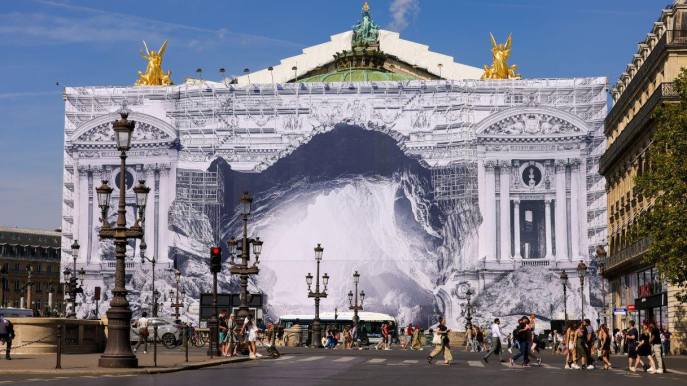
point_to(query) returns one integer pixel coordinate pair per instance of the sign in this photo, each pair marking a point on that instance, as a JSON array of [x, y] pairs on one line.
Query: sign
[[631, 308], [619, 311]]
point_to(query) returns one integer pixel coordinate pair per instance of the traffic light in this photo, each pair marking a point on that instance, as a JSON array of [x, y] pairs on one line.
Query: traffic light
[[215, 259]]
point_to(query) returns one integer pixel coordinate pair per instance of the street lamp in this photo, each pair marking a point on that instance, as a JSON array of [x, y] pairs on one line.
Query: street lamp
[[3, 285], [172, 294], [581, 272], [468, 318], [152, 261], [72, 277], [351, 297], [601, 256], [316, 340], [564, 283], [118, 350], [243, 246]]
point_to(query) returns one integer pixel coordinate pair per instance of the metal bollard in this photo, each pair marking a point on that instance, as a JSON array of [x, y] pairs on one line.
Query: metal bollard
[[58, 365], [155, 345], [186, 342]]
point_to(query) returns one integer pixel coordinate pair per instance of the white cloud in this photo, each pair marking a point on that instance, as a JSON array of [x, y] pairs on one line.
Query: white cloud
[[402, 13]]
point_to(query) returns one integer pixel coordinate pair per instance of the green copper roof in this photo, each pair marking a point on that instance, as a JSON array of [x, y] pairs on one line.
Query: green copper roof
[[357, 75]]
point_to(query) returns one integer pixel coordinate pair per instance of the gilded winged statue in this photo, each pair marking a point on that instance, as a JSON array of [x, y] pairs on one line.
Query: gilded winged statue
[[154, 76], [500, 68]]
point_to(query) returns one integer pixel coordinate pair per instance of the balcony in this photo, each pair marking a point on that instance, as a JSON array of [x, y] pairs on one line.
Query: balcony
[[632, 252]]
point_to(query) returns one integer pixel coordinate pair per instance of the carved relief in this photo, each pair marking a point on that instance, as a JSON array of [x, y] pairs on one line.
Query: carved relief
[[532, 124], [142, 132]]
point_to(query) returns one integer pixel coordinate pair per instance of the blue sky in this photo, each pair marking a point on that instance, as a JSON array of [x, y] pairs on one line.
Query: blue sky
[[97, 43]]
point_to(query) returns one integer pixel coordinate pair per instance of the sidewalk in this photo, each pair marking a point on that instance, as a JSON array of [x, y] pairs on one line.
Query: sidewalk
[[87, 364]]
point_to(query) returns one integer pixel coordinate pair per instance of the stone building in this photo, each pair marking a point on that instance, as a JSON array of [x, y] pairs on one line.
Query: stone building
[[636, 289], [30, 268]]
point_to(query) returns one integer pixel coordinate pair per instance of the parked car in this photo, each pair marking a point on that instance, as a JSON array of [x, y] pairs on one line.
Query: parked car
[[168, 332]]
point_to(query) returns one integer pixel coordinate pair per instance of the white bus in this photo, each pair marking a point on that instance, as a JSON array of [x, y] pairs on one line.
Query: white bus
[[369, 328]]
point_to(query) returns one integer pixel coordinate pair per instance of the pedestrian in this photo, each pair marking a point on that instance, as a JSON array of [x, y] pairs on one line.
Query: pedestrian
[[569, 345], [632, 341], [495, 335], [6, 335], [417, 339], [142, 327], [232, 339], [222, 327], [441, 343], [644, 348], [656, 349], [468, 339], [523, 337], [580, 346], [251, 330], [348, 339], [665, 338], [605, 343], [534, 345], [589, 343], [354, 336], [479, 338]]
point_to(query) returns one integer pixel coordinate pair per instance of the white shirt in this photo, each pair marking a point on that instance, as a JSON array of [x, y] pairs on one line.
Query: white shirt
[[142, 322], [495, 331]]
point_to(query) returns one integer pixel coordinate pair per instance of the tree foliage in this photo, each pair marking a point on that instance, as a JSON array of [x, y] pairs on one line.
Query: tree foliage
[[665, 181]]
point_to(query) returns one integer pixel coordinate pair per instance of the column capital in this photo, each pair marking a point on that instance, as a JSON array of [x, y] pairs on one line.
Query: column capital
[[504, 165], [560, 165], [490, 164], [516, 200], [548, 200]]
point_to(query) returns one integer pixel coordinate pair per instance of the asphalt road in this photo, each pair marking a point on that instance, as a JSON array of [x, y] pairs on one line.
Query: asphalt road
[[304, 367]]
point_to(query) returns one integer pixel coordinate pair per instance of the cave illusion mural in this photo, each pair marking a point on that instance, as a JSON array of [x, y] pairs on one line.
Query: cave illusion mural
[[401, 162]]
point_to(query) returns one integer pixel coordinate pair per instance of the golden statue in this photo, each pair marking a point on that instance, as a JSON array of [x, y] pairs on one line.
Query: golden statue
[[366, 7], [154, 76], [500, 68]]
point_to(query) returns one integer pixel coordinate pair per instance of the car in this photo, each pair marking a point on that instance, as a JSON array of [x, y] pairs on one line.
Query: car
[[169, 332]]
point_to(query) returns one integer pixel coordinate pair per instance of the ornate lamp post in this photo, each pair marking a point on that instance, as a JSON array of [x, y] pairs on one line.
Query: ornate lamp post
[[468, 318], [29, 287], [601, 256], [564, 283], [3, 285], [243, 246], [72, 286], [175, 295], [581, 272], [316, 340], [152, 261], [118, 350], [354, 305]]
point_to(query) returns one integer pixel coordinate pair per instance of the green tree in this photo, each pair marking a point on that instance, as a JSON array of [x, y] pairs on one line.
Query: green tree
[[665, 180]]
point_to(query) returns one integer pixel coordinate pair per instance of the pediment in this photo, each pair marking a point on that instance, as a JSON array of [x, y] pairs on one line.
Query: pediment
[[528, 124], [143, 132]]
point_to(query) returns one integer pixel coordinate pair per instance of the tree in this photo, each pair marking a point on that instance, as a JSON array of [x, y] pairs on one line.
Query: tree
[[665, 182]]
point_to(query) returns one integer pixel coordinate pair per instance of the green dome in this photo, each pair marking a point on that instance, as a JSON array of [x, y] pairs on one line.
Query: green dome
[[357, 75]]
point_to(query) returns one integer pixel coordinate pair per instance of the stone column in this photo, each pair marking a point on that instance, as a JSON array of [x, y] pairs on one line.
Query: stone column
[[482, 203], [489, 211], [505, 209], [547, 217], [516, 229], [574, 209], [560, 213]]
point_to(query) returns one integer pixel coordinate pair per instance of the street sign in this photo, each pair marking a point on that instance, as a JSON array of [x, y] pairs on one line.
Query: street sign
[[631, 308], [619, 311]]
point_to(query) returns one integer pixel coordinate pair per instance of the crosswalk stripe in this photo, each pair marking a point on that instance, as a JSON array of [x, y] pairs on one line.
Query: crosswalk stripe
[[548, 366], [285, 357], [475, 364], [344, 359], [310, 359], [671, 371], [410, 361], [376, 360]]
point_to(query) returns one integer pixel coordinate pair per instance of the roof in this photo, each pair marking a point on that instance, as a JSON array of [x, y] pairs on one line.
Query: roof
[[364, 316], [414, 54], [358, 75]]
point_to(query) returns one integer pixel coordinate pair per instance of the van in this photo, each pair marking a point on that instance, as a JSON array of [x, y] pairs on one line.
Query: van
[[16, 312]]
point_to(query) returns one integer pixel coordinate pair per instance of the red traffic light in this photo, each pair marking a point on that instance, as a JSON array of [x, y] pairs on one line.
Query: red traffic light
[[215, 250]]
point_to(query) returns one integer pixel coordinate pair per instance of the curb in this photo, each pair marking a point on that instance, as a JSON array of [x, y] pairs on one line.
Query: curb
[[137, 371]]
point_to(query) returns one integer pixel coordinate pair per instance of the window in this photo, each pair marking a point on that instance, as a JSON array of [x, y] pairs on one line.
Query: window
[[49, 268], [39, 287], [17, 285], [17, 267], [39, 267]]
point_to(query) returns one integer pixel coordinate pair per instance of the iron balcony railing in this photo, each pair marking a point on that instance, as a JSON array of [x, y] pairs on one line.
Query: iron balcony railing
[[632, 251]]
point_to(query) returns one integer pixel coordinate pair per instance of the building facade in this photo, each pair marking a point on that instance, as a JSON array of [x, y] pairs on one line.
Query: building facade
[[503, 171], [636, 289], [30, 269]]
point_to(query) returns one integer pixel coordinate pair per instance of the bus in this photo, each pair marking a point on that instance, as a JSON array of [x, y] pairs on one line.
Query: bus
[[369, 328]]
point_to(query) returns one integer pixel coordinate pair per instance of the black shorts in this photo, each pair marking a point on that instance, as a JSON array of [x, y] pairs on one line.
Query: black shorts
[[632, 353]]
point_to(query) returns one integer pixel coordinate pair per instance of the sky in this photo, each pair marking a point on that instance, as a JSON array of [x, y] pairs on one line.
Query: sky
[[46, 45]]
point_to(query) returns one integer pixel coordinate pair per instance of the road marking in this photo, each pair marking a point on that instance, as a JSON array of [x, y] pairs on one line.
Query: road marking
[[671, 371], [310, 359], [344, 359], [376, 360], [475, 364], [410, 361], [548, 366], [285, 357]]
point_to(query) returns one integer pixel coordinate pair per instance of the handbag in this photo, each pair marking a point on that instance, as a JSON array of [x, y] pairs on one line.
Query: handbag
[[436, 339]]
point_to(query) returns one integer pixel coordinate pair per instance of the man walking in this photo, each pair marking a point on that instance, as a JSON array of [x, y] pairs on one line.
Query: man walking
[[6, 335], [524, 336], [656, 348], [441, 343], [495, 335], [142, 325]]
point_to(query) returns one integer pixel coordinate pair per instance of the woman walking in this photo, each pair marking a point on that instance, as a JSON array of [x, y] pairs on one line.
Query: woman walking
[[605, 345], [251, 329], [441, 343]]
